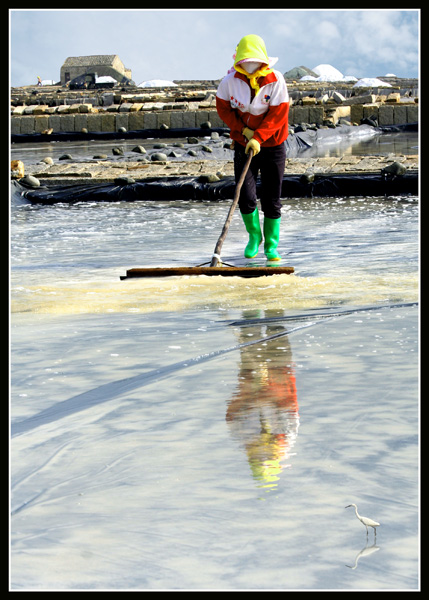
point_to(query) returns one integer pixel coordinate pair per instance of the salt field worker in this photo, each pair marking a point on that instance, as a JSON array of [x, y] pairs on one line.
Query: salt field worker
[[253, 101]]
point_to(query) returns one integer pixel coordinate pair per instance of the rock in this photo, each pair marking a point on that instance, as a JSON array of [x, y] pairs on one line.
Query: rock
[[124, 180], [211, 178], [307, 177], [99, 156], [207, 148], [361, 99], [393, 98], [139, 149], [372, 121], [17, 169], [395, 168], [300, 127], [308, 100], [160, 145], [65, 157], [122, 130], [339, 98], [47, 160], [192, 140], [174, 154], [117, 151], [47, 131], [206, 125], [30, 181], [85, 108], [214, 135], [160, 156], [192, 153]]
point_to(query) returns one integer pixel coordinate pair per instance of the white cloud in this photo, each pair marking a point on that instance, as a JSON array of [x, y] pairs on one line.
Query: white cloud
[[327, 33], [189, 44]]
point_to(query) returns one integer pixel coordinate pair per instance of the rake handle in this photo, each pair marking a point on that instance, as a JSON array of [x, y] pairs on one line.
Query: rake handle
[[218, 247]]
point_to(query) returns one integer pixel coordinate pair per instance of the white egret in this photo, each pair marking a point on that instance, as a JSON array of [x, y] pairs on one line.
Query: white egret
[[365, 520]]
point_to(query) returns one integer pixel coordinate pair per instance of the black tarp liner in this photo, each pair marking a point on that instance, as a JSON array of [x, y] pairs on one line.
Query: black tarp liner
[[192, 188]]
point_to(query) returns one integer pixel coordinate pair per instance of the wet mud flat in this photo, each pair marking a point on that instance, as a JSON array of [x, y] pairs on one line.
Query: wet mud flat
[[346, 161]]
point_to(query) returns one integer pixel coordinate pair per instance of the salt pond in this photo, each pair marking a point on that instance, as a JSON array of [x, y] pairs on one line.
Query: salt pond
[[207, 433]]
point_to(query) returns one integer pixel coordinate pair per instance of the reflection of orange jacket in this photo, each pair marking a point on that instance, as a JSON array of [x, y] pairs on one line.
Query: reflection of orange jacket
[[275, 387], [284, 392]]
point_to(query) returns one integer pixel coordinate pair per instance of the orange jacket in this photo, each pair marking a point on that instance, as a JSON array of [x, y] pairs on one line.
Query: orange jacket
[[265, 113]]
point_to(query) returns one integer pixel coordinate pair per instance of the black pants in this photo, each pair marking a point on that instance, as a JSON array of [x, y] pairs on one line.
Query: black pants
[[270, 162]]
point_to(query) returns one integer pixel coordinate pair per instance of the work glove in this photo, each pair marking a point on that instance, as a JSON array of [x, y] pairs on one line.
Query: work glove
[[253, 145], [248, 133]]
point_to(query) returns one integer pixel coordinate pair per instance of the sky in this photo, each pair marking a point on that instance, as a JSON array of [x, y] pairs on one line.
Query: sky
[[199, 44]]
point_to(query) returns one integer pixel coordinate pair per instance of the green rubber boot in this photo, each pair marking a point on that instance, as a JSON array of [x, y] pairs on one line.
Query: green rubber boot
[[253, 228], [271, 235]]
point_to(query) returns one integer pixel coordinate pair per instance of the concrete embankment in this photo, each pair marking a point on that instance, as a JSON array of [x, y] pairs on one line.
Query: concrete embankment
[[52, 109]]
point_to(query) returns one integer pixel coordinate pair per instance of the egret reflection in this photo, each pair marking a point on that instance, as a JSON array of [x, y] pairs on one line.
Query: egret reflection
[[366, 551], [263, 414]]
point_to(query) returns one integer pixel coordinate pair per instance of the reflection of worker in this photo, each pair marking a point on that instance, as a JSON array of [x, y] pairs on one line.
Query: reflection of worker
[[253, 101], [263, 412]]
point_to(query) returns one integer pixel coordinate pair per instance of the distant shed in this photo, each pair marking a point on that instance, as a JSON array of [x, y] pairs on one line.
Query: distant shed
[[101, 64]]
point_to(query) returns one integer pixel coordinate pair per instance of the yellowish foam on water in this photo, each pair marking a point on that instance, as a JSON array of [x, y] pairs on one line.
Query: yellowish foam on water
[[110, 295]]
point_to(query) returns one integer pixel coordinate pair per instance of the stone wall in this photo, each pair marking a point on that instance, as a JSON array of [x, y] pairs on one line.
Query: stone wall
[[75, 121], [39, 110]]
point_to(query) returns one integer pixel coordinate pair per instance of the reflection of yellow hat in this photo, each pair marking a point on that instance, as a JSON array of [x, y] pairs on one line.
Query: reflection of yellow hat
[[266, 472], [264, 455]]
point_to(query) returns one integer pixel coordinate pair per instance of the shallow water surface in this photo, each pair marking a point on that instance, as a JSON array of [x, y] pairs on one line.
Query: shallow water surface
[[365, 142], [152, 459], [207, 433]]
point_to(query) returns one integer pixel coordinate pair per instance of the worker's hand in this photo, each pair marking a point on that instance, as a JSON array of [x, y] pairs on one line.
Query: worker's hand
[[248, 133], [253, 145]]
